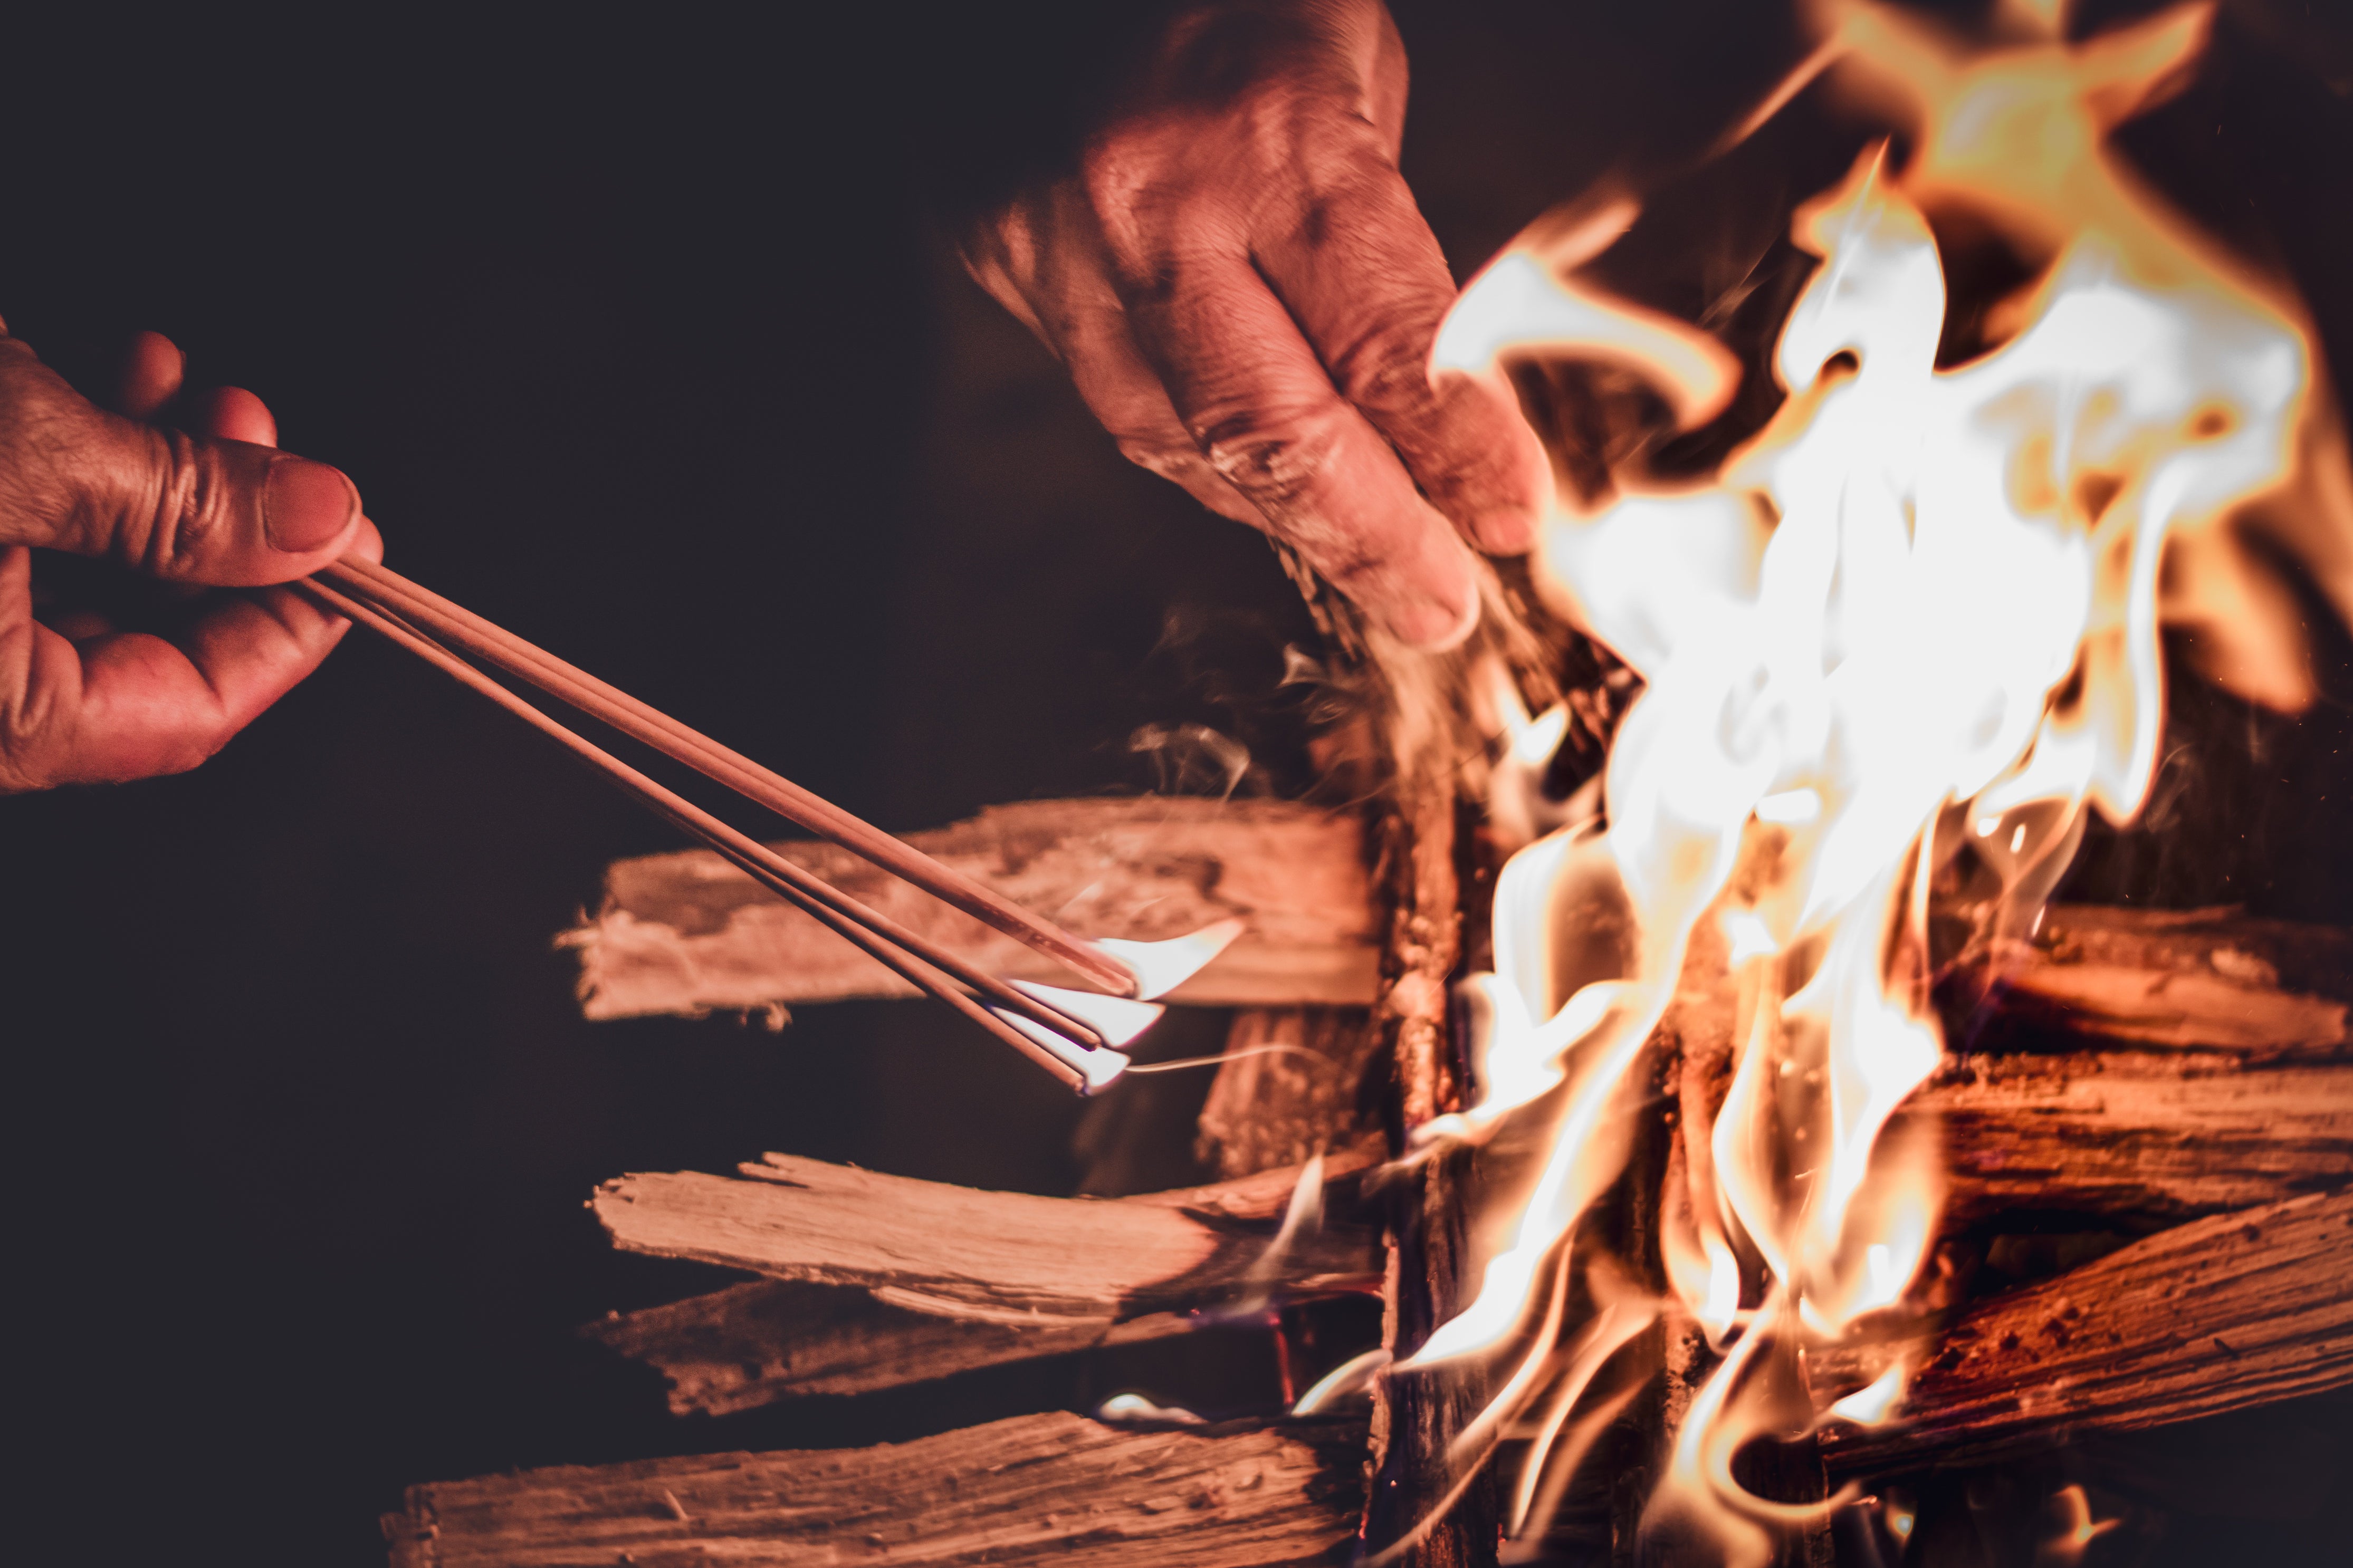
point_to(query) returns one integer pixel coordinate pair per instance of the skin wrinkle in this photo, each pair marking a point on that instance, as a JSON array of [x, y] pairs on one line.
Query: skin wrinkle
[[1237, 268], [81, 700]]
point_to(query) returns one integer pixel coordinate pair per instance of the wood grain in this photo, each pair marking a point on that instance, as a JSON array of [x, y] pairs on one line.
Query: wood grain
[[2211, 979], [2220, 1314], [689, 933], [1034, 1489], [2146, 1136], [985, 1257], [1270, 1110], [770, 1339]]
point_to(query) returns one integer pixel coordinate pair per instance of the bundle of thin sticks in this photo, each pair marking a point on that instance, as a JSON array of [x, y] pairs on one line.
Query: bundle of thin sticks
[[1041, 1026]]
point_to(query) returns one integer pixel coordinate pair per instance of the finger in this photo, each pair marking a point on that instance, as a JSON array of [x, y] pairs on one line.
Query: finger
[[1364, 277], [1261, 409], [232, 414], [134, 705], [230, 513], [153, 369], [1064, 293]]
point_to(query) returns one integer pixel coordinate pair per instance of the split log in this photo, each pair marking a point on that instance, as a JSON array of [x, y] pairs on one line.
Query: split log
[[1266, 1109], [770, 1339], [2223, 1313], [953, 1252], [689, 933], [1036, 1488], [2134, 1136], [2209, 979], [2144, 1136]]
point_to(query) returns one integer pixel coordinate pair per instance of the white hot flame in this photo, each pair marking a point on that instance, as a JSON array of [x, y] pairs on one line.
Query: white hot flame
[[1891, 651]]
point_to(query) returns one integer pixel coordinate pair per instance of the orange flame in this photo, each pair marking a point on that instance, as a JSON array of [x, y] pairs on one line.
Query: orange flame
[[1906, 634]]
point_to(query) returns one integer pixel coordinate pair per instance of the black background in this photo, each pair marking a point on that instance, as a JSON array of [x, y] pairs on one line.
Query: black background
[[635, 335]]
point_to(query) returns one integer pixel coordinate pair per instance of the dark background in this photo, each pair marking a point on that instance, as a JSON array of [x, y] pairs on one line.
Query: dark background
[[635, 335]]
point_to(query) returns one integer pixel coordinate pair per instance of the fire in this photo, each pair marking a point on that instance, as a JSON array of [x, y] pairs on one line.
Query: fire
[[1890, 652]]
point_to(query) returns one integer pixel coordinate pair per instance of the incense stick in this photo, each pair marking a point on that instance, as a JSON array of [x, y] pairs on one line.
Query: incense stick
[[453, 624], [910, 955]]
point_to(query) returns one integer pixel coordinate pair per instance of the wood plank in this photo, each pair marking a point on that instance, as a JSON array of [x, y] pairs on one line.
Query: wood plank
[[2223, 1313], [689, 933], [987, 1256], [1034, 1489]]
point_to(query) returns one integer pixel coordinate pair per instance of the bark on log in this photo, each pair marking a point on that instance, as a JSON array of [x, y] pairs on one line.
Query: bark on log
[[1006, 1258], [2220, 1314], [689, 933], [1036, 1488], [1416, 1416]]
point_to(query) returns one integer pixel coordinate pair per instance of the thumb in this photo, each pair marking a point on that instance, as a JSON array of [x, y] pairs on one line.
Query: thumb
[[76, 478]]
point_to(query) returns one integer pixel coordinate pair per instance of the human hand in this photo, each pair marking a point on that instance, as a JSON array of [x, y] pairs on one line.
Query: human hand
[[86, 697], [1245, 295]]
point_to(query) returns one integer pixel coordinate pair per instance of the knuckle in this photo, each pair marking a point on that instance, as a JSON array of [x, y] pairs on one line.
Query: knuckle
[[1383, 364], [1276, 457]]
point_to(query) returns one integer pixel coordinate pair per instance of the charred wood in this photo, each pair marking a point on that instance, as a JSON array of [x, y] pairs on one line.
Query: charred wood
[[2220, 1314], [1036, 1488]]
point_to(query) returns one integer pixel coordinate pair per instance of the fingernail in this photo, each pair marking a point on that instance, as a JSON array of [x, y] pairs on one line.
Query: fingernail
[[1433, 626], [306, 506]]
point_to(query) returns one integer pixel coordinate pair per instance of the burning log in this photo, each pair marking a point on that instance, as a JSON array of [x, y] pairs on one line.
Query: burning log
[[1034, 1489], [2211, 979], [989, 1257], [2135, 1136], [2138, 1135], [2220, 1314], [689, 934]]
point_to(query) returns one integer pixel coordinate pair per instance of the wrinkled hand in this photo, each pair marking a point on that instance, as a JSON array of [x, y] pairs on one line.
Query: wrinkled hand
[[1245, 295], [93, 696]]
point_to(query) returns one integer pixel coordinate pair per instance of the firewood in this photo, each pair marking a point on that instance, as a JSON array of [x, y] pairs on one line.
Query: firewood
[[1270, 1109], [689, 934], [2145, 1137], [769, 1340], [1034, 1489], [2198, 978], [980, 1257], [2138, 1135], [2222, 1314]]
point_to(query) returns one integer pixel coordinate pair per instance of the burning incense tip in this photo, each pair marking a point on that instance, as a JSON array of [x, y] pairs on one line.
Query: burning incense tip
[[1162, 966], [1118, 1020]]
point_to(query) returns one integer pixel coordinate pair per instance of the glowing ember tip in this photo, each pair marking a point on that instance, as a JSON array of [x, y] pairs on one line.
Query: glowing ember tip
[[1118, 1020], [1162, 966]]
